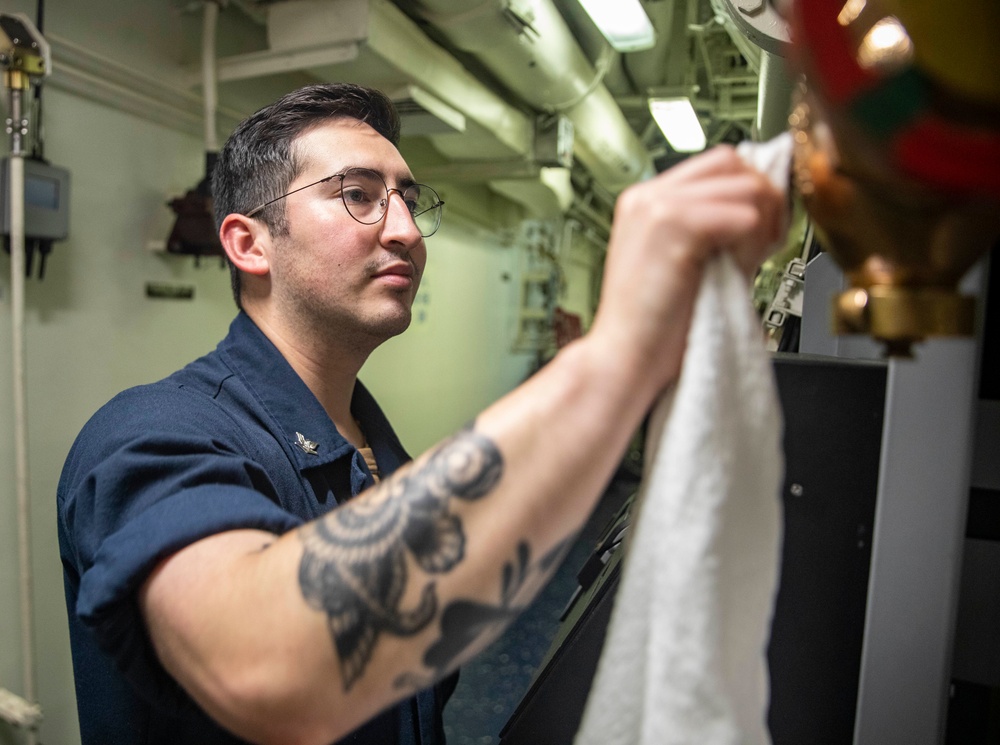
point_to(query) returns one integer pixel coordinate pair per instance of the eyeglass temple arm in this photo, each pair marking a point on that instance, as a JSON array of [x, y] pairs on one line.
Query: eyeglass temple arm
[[438, 203], [255, 210]]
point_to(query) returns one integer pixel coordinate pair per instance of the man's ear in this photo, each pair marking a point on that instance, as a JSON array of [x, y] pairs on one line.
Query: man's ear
[[247, 243]]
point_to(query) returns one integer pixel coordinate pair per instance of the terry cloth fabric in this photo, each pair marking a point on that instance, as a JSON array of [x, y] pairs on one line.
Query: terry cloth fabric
[[684, 662]]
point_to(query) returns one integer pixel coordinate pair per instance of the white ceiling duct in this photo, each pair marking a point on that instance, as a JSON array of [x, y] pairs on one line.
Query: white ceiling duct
[[436, 96], [527, 45], [425, 114], [393, 54], [531, 51]]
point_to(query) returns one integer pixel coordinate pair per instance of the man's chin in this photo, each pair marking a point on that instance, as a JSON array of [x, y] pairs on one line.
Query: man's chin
[[394, 325]]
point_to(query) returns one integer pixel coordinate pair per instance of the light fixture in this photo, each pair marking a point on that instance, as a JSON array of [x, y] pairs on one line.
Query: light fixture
[[623, 22], [678, 122]]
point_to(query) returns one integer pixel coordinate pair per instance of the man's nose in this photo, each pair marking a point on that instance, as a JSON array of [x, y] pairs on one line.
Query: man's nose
[[399, 221]]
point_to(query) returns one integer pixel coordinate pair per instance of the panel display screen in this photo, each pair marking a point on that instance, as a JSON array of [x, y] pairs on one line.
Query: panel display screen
[[42, 192]]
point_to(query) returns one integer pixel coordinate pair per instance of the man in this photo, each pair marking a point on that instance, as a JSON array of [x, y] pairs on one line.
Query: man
[[231, 564]]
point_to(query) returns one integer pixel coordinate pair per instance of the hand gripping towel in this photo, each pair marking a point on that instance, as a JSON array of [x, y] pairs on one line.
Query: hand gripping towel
[[684, 661]]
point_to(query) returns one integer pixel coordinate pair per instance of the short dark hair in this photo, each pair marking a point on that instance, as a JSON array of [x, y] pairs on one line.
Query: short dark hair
[[257, 163]]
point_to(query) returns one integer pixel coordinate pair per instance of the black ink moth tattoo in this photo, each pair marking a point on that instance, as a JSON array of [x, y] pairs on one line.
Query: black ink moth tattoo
[[354, 560], [464, 622]]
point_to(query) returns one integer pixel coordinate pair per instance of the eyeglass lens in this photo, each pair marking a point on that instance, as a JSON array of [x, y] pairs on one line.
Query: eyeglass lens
[[366, 197]]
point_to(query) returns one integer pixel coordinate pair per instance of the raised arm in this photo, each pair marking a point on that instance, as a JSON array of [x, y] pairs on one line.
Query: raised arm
[[304, 637]]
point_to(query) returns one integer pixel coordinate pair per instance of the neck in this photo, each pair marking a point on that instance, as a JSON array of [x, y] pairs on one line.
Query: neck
[[328, 366]]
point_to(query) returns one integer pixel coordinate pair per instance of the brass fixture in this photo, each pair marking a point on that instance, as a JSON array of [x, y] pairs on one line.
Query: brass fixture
[[896, 160]]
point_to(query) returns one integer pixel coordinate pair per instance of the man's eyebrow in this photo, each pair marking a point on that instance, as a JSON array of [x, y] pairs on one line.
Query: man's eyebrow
[[403, 178]]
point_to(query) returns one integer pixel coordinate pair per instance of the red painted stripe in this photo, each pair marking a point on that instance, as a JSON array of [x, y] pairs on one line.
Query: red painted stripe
[[829, 49], [950, 156]]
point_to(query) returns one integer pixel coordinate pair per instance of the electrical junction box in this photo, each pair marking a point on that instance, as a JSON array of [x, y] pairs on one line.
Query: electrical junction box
[[554, 141], [46, 200]]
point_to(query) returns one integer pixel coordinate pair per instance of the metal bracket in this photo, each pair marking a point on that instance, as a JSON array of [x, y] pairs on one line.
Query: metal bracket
[[760, 22], [788, 299]]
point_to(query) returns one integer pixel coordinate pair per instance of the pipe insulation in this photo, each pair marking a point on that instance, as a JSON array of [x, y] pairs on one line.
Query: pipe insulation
[[21, 486], [397, 42], [209, 74], [17, 711], [774, 99], [530, 49]]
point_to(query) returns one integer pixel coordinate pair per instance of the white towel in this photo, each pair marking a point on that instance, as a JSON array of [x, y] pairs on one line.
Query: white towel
[[684, 661]]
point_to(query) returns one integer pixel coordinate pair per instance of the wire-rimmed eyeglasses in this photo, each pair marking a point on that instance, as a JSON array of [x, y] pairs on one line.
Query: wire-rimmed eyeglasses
[[366, 198]]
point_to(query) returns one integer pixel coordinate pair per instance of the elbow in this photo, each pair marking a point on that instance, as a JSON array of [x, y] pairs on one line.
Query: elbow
[[266, 705]]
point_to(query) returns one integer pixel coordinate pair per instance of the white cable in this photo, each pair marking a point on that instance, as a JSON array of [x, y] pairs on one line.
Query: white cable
[[603, 65]]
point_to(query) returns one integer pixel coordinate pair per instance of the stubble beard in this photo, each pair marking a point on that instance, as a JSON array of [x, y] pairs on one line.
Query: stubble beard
[[373, 315], [350, 329]]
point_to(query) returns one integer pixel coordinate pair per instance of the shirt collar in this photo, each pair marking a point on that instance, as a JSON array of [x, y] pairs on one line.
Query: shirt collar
[[304, 427]]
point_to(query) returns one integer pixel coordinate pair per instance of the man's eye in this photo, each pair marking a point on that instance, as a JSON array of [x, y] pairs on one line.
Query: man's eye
[[412, 206], [356, 195]]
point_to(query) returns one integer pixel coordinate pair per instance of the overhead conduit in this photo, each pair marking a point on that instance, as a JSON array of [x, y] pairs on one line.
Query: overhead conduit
[[499, 137], [400, 44], [541, 65], [527, 45]]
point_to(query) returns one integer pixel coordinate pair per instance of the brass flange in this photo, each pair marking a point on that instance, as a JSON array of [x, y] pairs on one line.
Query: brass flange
[[900, 316]]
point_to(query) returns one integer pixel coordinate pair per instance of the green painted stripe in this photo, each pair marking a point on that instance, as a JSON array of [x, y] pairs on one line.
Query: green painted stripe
[[893, 104]]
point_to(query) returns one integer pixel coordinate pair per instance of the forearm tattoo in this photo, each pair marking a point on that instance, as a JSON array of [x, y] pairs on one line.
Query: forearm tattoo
[[465, 623], [354, 559]]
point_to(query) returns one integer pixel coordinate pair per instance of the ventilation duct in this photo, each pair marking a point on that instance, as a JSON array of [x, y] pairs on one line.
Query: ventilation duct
[[393, 53], [527, 45], [485, 139], [423, 114], [531, 51]]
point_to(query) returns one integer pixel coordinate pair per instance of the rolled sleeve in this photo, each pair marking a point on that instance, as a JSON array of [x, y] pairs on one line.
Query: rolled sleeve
[[136, 492], [107, 603]]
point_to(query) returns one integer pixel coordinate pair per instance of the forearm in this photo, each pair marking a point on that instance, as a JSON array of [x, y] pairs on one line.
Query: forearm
[[307, 639], [319, 631], [562, 435]]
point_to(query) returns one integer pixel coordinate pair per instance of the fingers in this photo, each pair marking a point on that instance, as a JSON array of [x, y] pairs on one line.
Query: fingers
[[667, 228], [707, 202]]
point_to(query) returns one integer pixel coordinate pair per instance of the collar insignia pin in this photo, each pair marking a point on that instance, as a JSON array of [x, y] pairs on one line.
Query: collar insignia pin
[[308, 446]]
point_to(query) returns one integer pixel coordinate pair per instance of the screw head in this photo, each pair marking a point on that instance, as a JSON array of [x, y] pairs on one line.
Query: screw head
[[750, 7]]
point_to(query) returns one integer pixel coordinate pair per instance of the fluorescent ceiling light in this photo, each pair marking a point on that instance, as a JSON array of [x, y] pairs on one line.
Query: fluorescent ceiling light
[[679, 123], [623, 22]]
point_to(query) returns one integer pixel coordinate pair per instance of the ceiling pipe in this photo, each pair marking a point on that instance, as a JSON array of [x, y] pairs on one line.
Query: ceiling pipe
[[774, 96], [532, 52], [760, 24], [495, 130], [209, 74], [665, 63], [89, 74], [399, 43], [24, 60], [194, 231]]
